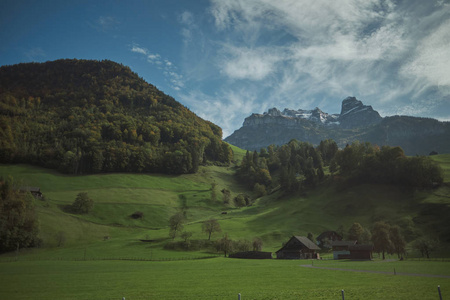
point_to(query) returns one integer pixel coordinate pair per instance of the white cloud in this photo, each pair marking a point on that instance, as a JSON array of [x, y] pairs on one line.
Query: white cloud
[[140, 50], [432, 58], [244, 63]]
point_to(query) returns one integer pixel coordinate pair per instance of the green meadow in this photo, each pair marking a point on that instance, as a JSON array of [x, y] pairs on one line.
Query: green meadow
[[101, 255], [217, 278]]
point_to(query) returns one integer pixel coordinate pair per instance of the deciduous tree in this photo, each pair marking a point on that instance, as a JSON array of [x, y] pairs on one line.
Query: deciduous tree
[[211, 226], [176, 224], [82, 204], [224, 245], [398, 242], [18, 220], [355, 232], [381, 238]]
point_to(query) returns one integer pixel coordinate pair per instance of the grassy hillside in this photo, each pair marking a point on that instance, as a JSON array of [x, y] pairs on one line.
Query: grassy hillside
[[273, 218]]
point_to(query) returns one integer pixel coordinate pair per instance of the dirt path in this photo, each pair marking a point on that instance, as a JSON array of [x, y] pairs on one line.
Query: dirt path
[[376, 272]]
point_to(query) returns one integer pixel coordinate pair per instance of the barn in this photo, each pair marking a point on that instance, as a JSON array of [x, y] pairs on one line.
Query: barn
[[298, 247], [341, 249], [351, 250], [361, 251]]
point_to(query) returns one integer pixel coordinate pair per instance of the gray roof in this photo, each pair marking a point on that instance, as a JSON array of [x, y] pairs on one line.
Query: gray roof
[[343, 243], [307, 242], [361, 248], [30, 188]]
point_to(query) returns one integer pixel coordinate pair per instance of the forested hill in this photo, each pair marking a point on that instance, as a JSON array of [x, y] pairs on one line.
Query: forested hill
[[84, 116]]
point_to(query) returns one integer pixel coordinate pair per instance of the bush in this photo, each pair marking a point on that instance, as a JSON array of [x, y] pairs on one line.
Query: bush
[[82, 204]]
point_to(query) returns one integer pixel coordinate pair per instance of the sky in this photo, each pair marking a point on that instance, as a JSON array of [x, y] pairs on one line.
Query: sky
[[227, 59]]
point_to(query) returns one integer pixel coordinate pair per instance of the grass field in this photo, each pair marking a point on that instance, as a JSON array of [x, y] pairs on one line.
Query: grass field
[[218, 278]]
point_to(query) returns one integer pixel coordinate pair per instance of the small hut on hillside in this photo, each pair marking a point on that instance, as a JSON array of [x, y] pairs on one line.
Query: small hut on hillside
[[35, 191], [298, 247]]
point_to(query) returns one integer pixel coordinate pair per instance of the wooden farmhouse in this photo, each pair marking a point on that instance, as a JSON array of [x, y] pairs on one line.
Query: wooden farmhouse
[[298, 247], [351, 250]]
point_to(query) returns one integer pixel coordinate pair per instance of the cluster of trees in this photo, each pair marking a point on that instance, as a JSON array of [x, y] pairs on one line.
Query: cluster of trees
[[227, 245], [299, 164], [19, 225], [209, 227], [83, 117], [368, 163], [291, 166], [388, 239]]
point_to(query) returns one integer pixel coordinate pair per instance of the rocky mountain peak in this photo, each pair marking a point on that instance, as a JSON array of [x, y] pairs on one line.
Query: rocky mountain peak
[[349, 104], [274, 112], [355, 114]]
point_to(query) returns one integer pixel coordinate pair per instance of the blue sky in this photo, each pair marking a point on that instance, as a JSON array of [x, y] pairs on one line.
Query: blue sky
[[226, 59]]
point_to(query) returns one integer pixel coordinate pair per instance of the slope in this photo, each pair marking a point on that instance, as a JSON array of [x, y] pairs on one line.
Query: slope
[[84, 117], [273, 218]]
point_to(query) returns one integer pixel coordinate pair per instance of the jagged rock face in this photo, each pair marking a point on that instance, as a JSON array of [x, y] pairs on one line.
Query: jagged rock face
[[355, 114], [356, 122]]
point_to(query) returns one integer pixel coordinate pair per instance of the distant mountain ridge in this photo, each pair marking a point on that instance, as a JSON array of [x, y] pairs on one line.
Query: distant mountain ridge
[[356, 122]]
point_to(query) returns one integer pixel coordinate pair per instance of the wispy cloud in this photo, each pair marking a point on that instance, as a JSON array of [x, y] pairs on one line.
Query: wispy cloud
[[227, 107], [35, 54], [168, 69], [105, 23]]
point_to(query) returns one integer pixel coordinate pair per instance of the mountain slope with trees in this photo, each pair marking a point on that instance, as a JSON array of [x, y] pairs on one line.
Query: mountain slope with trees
[[84, 116]]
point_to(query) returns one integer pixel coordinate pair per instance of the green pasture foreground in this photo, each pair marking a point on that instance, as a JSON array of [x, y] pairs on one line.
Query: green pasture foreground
[[217, 278]]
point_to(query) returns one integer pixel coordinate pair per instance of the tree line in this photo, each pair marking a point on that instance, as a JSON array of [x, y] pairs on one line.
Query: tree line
[[84, 117], [388, 239], [298, 165]]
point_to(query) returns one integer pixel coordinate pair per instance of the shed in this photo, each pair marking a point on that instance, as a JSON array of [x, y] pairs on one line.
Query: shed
[[341, 249], [298, 247], [35, 191], [361, 251]]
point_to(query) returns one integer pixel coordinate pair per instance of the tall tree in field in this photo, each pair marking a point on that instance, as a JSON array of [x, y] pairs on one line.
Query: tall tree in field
[[426, 245], [257, 244], [82, 204], [176, 224], [211, 226], [381, 238], [398, 242], [225, 245], [355, 232]]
